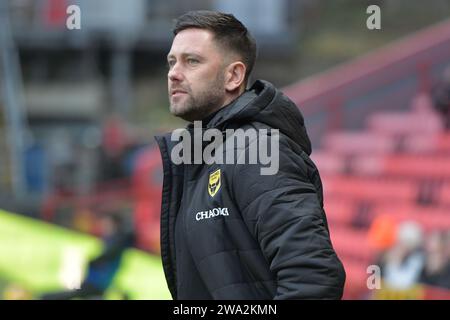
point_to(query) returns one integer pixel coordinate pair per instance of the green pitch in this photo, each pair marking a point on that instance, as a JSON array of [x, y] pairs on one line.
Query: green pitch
[[42, 257]]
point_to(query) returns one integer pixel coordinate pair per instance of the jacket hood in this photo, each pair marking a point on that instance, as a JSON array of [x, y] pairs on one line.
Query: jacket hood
[[266, 104]]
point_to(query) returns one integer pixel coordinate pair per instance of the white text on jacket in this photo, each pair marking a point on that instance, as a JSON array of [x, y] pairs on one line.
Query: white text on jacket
[[211, 213]]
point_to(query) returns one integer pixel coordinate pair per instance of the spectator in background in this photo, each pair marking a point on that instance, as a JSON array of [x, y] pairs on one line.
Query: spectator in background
[[382, 233], [441, 97], [102, 270], [115, 139], [402, 264], [436, 271]]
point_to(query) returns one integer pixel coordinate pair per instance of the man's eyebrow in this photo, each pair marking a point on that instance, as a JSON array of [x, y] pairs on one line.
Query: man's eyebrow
[[185, 54], [193, 54]]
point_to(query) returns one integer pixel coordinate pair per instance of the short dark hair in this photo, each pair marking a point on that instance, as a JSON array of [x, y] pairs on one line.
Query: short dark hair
[[228, 31]]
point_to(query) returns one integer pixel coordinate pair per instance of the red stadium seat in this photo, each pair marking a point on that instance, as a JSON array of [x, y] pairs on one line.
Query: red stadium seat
[[351, 244], [356, 280], [403, 165], [404, 123], [361, 188], [349, 143], [339, 211], [434, 143], [430, 218], [443, 197], [328, 163]]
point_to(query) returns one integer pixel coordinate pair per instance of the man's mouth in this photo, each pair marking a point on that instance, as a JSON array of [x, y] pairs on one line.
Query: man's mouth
[[177, 92]]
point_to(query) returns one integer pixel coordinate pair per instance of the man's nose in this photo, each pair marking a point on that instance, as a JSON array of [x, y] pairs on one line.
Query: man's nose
[[175, 73]]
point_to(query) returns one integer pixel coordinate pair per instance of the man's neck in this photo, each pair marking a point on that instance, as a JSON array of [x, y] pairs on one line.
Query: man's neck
[[227, 102]]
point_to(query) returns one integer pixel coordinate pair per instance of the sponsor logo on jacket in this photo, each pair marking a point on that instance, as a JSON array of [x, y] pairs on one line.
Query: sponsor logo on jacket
[[215, 212]]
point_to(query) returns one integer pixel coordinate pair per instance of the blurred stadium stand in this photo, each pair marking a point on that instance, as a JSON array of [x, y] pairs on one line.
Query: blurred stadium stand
[[381, 148]]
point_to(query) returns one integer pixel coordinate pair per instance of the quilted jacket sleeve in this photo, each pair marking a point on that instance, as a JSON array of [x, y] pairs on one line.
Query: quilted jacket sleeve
[[285, 215]]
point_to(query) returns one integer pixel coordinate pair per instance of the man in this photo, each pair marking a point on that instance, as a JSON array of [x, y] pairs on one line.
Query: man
[[441, 98], [228, 231]]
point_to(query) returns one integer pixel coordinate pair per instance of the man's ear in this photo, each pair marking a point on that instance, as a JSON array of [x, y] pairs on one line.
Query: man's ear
[[234, 76]]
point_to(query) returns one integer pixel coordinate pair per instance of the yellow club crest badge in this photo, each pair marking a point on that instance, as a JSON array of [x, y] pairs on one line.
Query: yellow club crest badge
[[214, 183]]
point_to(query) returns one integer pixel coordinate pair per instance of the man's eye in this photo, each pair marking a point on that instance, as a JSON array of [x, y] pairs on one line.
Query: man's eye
[[170, 63], [192, 61]]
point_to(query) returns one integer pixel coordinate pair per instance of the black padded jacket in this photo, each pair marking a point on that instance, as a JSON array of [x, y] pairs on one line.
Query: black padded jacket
[[252, 236]]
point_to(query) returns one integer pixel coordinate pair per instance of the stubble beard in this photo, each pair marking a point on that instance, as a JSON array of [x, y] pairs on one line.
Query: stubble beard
[[198, 106]]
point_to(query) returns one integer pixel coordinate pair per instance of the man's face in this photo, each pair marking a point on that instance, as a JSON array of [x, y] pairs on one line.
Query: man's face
[[196, 75]]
